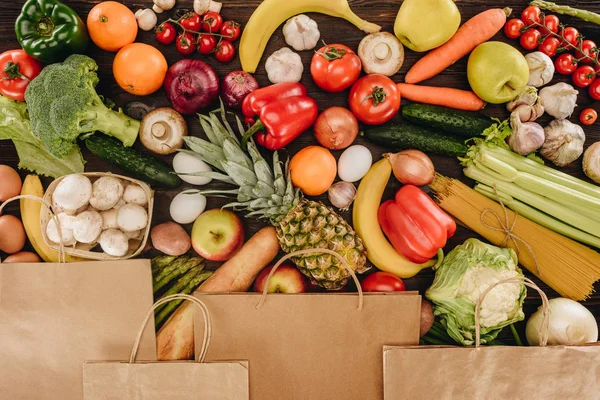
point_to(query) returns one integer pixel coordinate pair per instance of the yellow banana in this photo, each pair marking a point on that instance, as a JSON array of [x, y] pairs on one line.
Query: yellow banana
[[272, 13], [379, 251], [30, 215]]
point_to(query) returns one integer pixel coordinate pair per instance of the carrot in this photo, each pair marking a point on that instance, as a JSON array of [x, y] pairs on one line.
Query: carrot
[[475, 31], [175, 340], [440, 96]]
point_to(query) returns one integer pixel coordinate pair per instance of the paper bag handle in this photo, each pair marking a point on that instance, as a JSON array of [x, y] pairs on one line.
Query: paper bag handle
[[263, 297], [62, 256], [544, 326], [166, 299]]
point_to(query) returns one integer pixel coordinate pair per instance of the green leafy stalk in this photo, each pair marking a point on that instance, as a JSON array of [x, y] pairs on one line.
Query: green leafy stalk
[[516, 335], [585, 15]]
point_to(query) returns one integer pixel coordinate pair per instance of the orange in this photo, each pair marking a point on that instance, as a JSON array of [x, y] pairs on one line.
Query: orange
[[313, 170], [111, 25], [140, 69]]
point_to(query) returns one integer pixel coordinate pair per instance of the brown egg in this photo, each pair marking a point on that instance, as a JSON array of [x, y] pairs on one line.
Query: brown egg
[[22, 257], [12, 234], [10, 183]]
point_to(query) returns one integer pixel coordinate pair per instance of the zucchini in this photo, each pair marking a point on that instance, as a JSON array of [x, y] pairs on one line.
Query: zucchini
[[462, 124], [402, 136], [141, 166]]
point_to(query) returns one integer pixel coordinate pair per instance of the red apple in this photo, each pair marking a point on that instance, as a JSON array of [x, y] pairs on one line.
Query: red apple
[[286, 279], [217, 234]]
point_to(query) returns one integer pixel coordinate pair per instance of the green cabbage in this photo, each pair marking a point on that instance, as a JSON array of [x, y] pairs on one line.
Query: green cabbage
[[460, 279]]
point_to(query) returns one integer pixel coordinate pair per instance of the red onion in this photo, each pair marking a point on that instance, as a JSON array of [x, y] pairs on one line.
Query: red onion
[[236, 86], [191, 86]]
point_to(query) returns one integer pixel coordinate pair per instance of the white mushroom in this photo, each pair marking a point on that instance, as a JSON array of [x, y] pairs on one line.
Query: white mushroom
[[106, 192], [146, 19], [284, 66], [88, 226], [203, 6], [157, 9], [163, 5], [66, 228], [381, 53], [132, 217], [109, 219], [135, 194], [120, 204], [114, 243], [301, 32], [133, 234], [162, 130], [72, 193]]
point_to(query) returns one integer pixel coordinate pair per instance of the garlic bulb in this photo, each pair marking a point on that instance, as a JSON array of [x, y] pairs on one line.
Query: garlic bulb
[[591, 162], [527, 105], [564, 142], [541, 68], [526, 137], [529, 113], [559, 100], [284, 66], [301, 32], [342, 195]]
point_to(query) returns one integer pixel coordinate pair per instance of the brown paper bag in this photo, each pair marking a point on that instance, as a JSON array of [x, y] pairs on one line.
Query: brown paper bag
[[53, 317], [181, 380], [311, 346], [493, 372]]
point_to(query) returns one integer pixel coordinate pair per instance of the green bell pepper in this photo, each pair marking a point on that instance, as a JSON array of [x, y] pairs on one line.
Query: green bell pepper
[[50, 31]]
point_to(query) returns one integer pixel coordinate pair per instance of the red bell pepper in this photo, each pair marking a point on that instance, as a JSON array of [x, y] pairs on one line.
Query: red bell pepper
[[415, 224], [284, 110]]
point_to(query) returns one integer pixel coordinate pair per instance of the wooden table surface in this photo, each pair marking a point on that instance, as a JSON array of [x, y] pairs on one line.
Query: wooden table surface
[[382, 12]]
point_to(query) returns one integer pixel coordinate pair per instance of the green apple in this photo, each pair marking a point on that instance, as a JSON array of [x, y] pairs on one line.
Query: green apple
[[422, 25], [497, 72]]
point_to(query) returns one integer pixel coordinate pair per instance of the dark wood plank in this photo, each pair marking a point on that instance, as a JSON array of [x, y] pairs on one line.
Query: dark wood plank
[[333, 30]]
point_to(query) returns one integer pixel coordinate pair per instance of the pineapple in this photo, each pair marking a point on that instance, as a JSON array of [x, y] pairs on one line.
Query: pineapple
[[267, 192]]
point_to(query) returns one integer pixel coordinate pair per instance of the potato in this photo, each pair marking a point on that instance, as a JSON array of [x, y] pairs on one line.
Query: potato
[[170, 238]]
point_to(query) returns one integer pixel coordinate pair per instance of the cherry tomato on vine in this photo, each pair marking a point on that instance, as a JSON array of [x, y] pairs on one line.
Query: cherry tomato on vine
[[549, 46], [588, 116], [185, 44], [530, 39], [225, 51], [231, 30], [572, 37], [551, 23], [191, 21], [374, 99], [584, 76], [565, 64], [594, 90], [17, 70], [212, 22], [207, 44], [589, 49], [531, 14], [513, 27], [165, 33]]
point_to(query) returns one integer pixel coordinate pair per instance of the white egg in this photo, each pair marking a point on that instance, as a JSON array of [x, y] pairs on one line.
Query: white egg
[[354, 163], [187, 206], [184, 163]]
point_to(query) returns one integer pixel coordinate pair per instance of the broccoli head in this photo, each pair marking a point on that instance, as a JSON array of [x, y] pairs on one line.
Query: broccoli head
[[63, 104]]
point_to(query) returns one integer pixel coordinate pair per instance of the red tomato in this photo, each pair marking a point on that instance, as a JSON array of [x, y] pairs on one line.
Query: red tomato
[[225, 51], [594, 90], [572, 36], [382, 282], [588, 116], [212, 22], [530, 39], [374, 99], [191, 21], [549, 46], [186, 43], [165, 33], [207, 44], [565, 64], [335, 67], [584, 76], [589, 49], [531, 14], [551, 23], [513, 27], [17, 69], [231, 30]]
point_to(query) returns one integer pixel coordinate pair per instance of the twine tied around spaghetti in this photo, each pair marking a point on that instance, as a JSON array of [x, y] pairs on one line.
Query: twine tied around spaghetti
[[341, 259], [508, 228]]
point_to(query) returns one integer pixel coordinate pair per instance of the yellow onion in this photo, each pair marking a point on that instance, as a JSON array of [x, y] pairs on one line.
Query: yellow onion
[[412, 167]]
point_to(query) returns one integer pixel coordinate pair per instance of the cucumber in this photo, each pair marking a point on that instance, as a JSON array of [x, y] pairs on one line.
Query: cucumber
[[402, 136], [141, 166], [459, 123]]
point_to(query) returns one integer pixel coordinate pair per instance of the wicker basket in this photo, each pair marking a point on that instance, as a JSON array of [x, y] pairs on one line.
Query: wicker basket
[[86, 250]]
